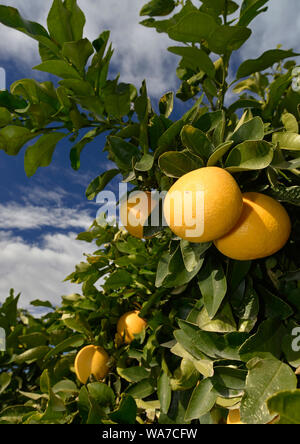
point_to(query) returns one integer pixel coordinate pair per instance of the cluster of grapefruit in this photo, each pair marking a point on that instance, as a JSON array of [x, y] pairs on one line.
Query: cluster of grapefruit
[[242, 226], [93, 360]]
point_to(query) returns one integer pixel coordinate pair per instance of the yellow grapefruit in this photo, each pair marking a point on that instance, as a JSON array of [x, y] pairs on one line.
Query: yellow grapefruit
[[203, 205], [130, 324], [263, 229], [135, 211], [91, 360], [234, 417]]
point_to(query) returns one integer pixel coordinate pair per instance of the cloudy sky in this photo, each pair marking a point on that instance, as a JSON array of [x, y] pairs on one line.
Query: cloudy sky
[[40, 217]]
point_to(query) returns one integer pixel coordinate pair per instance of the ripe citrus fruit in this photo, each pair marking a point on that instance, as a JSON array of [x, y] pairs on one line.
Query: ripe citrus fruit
[[130, 324], [234, 417], [262, 230], [91, 360], [135, 211], [203, 205]]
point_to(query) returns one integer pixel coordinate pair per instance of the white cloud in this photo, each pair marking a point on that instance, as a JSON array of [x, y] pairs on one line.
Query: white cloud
[[24, 217], [38, 195], [38, 270], [279, 25]]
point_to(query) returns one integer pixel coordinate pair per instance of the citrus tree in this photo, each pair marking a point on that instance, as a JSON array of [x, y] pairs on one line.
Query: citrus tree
[[179, 332]]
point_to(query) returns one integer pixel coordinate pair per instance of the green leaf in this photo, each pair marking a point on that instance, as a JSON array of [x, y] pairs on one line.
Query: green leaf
[[265, 378], [203, 364], [275, 307], [65, 21], [191, 253], [126, 413], [276, 90], [145, 164], [95, 412], [58, 68], [77, 149], [33, 339], [133, 374], [195, 59], [77, 323], [249, 84], [5, 117], [244, 103], [287, 405], [171, 271], [287, 141], [251, 130], [65, 387], [77, 18], [219, 6], [196, 141], [202, 400], [265, 343], [290, 122], [193, 27], [245, 301], [213, 286], [14, 414], [223, 322], [266, 60], [158, 8], [101, 393], [228, 38], [12, 138], [177, 163], [250, 155], [214, 345], [187, 375], [118, 279], [123, 152], [118, 98], [167, 138], [78, 52], [73, 341], [5, 380], [164, 25], [141, 390], [31, 355], [250, 9], [77, 87], [220, 151], [238, 270], [166, 104], [164, 392], [163, 268], [40, 154], [286, 194], [10, 17], [100, 183], [11, 102], [229, 378], [209, 121]]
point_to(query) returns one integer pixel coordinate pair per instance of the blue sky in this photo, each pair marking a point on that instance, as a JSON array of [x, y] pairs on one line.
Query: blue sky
[[39, 217]]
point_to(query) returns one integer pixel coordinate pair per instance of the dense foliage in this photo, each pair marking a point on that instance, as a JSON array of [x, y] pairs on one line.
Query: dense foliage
[[219, 331]]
